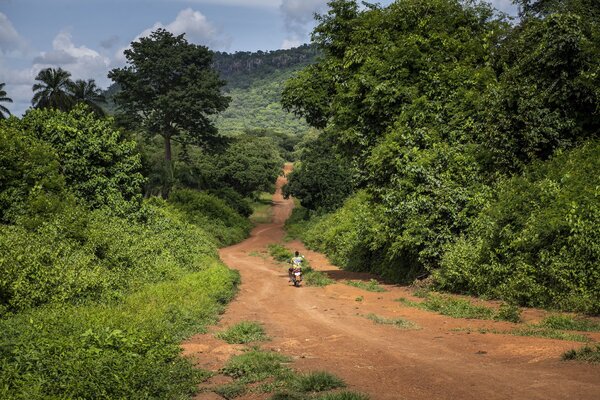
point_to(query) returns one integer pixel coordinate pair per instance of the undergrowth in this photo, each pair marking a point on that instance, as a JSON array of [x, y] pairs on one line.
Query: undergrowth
[[51, 351]]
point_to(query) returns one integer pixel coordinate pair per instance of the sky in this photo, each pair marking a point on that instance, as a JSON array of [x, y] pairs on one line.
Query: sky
[[87, 37]]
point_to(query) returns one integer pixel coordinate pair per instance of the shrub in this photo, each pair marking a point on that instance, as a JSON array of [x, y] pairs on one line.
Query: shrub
[[79, 256], [211, 214], [538, 243], [67, 350], [97, 163]]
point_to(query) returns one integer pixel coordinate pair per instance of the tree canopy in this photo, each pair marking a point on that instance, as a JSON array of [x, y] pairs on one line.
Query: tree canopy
[[171, 89]]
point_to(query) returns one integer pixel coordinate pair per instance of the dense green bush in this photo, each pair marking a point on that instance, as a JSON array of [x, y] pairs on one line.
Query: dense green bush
[[81, 255], [128, 349], [538, 243], [353, 237], [211, 214], [321, 180], [98, 164], [31, 184]]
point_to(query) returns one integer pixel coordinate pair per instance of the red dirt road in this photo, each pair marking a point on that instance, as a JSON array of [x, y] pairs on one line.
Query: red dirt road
[[325, 329]]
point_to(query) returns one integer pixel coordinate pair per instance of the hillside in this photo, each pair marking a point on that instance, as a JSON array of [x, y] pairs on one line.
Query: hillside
[[254, 83]]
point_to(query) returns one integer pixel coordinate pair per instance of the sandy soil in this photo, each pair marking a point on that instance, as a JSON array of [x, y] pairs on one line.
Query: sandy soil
[[326, 329]]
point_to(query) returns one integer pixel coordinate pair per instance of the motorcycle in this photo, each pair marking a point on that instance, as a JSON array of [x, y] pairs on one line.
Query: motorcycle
[[296, 276]]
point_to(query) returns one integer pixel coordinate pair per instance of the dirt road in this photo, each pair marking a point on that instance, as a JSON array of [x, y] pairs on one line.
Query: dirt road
[[326, 329]]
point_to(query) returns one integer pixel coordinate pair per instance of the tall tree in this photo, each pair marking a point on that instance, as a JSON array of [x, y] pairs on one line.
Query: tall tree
[[170, 88], [3, 98], [88, 93], [53, 90]]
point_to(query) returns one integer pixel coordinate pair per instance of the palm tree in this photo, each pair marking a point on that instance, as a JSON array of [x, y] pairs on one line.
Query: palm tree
[[53, 90], [88, 93], [3, 98]]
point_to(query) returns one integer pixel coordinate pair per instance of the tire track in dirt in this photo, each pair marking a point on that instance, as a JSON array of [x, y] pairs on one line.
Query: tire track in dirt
[[325, 329]]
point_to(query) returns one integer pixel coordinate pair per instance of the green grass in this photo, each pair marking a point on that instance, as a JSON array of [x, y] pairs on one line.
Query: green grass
[[280, 253], [371, 286], [343, 396], [397, 322], [537, 331], [315, 278], [262, 210], [59, 352], [566, 322], [231, 390], [461, 308], [318, 381], [244, 332], [255, 366], [586, 353]]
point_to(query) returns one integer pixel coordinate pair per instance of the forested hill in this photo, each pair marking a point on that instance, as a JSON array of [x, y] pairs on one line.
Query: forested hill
[[254, 83], [242, 68]]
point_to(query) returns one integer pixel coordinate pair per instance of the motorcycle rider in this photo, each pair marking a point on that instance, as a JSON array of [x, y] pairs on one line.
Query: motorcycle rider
[[296, 262]]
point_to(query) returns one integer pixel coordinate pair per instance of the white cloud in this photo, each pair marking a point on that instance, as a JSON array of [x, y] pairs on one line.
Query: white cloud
[[298, 16], [81, 61], [197, 28], [10, 40]]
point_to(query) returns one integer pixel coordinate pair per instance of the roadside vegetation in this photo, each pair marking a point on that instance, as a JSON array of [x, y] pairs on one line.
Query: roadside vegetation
[[462, 308], [109, 229], [400, 323], [244, 332], [259, 371], [371, 286], [457, 145]]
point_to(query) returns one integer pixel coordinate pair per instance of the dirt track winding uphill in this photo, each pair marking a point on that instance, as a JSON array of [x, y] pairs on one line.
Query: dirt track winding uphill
[[325, 329]]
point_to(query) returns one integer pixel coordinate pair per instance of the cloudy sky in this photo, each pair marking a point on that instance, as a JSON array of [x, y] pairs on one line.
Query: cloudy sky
[[87, 37]]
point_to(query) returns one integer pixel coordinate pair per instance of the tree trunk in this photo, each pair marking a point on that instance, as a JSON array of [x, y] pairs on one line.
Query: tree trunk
[[167, 149]]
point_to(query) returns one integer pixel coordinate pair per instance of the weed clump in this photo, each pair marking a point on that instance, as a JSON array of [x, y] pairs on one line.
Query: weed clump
[[318, 381], [371, 286], [244, 332], [255, 366], [586, 353]]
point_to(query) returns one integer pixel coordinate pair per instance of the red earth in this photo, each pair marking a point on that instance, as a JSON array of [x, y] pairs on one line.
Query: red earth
[[326, 329]]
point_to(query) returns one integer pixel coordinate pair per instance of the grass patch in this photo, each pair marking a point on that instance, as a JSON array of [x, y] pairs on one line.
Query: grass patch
[[569, 323], [288, 396], [537, 331], [371, 286], [315, 278], [343, 396], [262, 212], [65, 352], [255, 366], [586, 353], [244, 332], [462, 308], [231, 390], [318, 381], [397, 322], [280, 253]]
